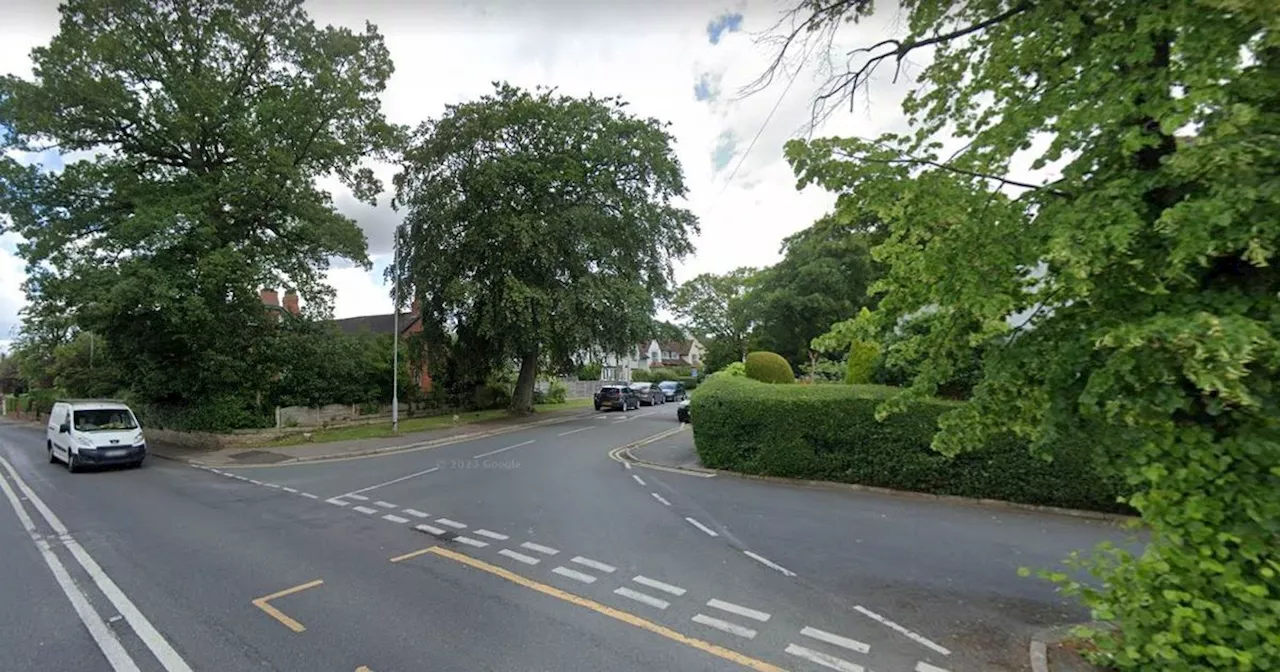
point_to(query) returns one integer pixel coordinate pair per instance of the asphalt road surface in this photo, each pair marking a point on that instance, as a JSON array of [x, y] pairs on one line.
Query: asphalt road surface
[[531, 550]]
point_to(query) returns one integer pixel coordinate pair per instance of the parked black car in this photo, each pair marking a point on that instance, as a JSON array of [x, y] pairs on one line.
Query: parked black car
[[682, 412], [619, 396], [649, 393], [673, 390]]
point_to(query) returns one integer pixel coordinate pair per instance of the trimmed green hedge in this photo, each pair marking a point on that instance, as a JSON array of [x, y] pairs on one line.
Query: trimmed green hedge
[[829, 432], [769, 367]]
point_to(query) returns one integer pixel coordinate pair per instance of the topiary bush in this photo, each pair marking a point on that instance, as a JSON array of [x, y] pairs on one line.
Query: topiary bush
[[769, 367], [860, 368], [829, 432]]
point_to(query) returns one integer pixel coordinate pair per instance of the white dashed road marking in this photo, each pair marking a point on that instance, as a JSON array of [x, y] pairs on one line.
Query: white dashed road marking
[[660, 498], [574, 574], [769, 563], [338, 502], [725, 626], [823, 636], [539, 548], [823, 659], [255, 482], [642, 598], [638, 479], [365, 509], [495, 452], [702, 527], [360, 498], [593, 564], [916, 637], [386, 505], [492, 535], [309, 495], [664, 587], [416, 513], [395, 519], [290, 490], [519, 557], [926, 667], [739, 610], [451, 523], [274, 486], [470, 542], [574, 431], [430, 529]]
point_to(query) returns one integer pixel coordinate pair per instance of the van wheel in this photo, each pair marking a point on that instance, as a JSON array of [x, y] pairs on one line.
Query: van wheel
[[52, 459], [72, 467]]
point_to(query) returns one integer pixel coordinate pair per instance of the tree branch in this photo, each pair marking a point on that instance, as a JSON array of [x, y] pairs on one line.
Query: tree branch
[[960, 171]]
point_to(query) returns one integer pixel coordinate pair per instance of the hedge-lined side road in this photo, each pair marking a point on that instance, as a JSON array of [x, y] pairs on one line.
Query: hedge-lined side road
[[528, 550]]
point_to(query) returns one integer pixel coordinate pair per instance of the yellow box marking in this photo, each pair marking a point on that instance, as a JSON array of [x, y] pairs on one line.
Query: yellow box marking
[[262, 603], [414, 554], [628, 618]]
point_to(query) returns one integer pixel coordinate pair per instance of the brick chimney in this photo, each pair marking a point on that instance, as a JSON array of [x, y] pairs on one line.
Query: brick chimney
[[270, 298], [291, 302]]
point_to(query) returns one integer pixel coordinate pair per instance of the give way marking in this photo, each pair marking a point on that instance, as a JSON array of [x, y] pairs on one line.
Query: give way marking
[[263, 603]]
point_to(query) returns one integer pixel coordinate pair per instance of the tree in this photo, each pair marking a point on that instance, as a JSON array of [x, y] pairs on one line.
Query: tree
[[209, 124], [715, 307], [539, 223], [665, 331], [823, 278], [1133, 298]]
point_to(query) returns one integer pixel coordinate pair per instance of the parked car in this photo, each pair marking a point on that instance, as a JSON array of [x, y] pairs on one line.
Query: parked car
[[682, 412], [621, 397], [649, 393], [93, 432], [673, 390]]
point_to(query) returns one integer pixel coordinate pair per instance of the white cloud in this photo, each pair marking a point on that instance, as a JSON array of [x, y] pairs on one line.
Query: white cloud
[[650, 53]]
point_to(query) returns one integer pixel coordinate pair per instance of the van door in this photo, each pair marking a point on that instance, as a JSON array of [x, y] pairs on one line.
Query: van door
[[61, 440]]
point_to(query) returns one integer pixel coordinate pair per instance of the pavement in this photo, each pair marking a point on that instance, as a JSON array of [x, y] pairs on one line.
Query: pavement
[[524, 550]]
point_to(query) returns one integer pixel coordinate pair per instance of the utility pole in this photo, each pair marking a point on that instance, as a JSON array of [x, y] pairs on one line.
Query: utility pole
[[395, 340]]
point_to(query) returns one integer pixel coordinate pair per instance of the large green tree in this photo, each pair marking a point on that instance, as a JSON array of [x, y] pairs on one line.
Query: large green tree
[[822, 278], [715, 307], [540, 224], [1132, 295], [201, 128]]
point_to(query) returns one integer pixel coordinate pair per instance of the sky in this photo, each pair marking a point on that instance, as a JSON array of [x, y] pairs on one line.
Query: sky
[[681, 62]]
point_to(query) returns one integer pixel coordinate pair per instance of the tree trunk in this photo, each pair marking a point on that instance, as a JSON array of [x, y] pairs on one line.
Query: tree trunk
[[522, 398]]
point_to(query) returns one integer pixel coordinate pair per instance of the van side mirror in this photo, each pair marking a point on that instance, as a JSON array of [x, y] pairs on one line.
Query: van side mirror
[[64, 428]]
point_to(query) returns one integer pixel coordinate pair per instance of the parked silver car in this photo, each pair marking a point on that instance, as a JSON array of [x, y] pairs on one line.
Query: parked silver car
[[650, 394]]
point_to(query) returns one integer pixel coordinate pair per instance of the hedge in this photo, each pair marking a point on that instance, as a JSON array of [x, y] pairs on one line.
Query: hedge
[[769, 367], [829, 432]]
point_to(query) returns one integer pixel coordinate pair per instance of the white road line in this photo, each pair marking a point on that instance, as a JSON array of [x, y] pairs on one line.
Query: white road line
[[823, 659], [926, 667], [642, 598], [364, 509], [337, 502], [309, 495], [111, 648], [294, 491], [574, 431], [824, 636], [619, 422], [593, 564], [156, 643], [539, 548], [495, 452], [385, 505], [430, 529], [738, 609], [416, 513], [470, 542], [702, 527], [644, 415], [916, 637], [491, 535], [769, 563], [638, 479], [255, 482], [395, 519], [725, 626], [660, 498], [451, 523], [354, 494], [519, 557], [664, 587], [272, 485], [574, 574], [627, 465]]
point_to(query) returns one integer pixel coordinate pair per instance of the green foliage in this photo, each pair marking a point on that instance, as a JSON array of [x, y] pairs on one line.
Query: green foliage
[[666, 331], [733, 369], [1135, 298], [822, 279], [573, 215], [860, 367], [830, 432], [205, 128], [556, 393], [319, 365], [769, 367], [589, 371], [716, 308], [823, 370]]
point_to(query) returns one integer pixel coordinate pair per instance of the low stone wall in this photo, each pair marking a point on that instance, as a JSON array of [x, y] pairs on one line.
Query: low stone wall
[[303, 416]]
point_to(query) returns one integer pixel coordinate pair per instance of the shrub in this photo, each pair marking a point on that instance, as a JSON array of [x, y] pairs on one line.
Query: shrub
[[641, 376], [555, 393], [689, 381], [732, 369], [861, 365], [829, 432], [769, 367], [589, 371]]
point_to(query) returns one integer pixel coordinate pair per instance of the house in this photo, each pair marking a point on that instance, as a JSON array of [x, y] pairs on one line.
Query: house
[[618, 366], [410, 323], [681, 353]]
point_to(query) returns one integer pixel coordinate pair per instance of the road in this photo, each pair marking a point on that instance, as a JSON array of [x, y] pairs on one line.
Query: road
[[531, 550]]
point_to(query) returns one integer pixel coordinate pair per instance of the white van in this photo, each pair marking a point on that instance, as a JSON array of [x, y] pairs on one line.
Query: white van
[[90, 432]]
